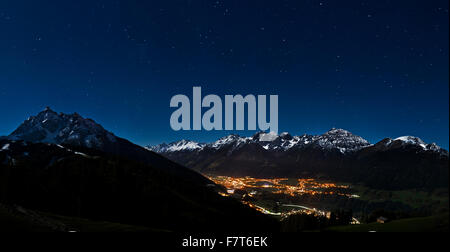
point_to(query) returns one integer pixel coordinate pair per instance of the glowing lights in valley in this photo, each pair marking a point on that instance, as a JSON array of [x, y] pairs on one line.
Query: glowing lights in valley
[[281, 186], [242, 187]]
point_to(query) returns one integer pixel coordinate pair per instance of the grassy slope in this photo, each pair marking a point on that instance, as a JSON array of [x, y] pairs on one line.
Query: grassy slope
[[438, 223], [413, 198], [13, 223], [85, 225], [10, 222]]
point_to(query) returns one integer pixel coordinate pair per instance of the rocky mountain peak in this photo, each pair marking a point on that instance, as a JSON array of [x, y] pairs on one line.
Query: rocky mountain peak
[[50, 127]]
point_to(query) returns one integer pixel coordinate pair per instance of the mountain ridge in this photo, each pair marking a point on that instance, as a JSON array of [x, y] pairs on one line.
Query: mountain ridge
[[339, 139]]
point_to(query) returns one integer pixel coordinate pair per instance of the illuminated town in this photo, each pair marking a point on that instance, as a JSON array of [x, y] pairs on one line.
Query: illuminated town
[[280, 186], [244, 188]]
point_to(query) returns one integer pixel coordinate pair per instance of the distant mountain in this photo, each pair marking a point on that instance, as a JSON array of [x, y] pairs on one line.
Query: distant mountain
[[404, 162]]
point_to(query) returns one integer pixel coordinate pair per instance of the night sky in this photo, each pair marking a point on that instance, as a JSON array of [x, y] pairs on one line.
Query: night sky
[[377, 68]]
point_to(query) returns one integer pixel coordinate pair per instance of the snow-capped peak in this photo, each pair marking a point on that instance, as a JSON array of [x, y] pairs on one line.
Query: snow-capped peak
[[51, 127], [228, 140], [411, 140], [183, 145], [342, 140]]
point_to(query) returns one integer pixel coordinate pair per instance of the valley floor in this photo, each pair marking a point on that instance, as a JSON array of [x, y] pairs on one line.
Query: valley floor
[[437, 223], [18, 219]]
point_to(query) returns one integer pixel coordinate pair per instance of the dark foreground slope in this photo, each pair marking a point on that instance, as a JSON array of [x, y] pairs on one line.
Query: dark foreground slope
[[92, 184], [437, 223], [14, 218]]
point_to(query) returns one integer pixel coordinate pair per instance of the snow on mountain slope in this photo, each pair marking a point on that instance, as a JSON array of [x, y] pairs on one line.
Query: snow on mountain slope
[[342, 140], [412, 140], [183, 145], [228, 140], [339, 139], [334, 139], [51, 127], [406, 141]]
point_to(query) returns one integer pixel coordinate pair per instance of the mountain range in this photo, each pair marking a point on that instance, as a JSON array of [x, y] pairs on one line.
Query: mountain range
[[401, 163], [334, 139]]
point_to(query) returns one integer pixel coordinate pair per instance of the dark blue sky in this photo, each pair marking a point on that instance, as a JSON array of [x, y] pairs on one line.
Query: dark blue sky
[[377, 68]]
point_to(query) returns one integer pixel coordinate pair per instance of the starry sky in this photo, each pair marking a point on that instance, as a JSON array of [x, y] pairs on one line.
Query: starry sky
[[377, 68]]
